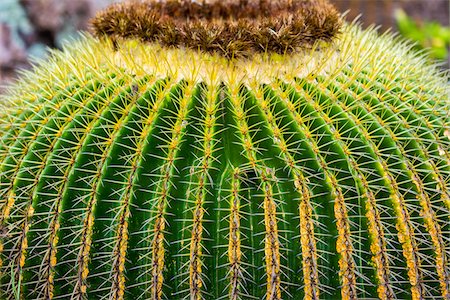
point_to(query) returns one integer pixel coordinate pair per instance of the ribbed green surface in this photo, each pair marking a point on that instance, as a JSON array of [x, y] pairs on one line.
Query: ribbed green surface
[[120, 185]]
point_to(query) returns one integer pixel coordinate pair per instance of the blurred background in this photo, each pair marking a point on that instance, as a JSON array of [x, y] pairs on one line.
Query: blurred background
[[29, 27]]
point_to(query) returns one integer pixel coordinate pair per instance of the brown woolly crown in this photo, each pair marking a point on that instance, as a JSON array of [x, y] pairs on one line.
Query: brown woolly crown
[[231, 28]]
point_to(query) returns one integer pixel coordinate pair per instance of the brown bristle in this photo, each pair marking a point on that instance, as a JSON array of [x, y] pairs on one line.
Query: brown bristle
[[229, 28]]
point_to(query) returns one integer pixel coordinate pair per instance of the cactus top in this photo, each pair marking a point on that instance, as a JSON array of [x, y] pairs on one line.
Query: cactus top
[[230, 28]]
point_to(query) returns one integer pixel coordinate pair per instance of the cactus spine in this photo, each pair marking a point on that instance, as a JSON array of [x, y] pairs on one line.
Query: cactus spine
[[135, 170]]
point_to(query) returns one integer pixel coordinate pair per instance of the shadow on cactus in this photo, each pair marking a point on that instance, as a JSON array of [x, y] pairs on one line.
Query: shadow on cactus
[[313, 165]]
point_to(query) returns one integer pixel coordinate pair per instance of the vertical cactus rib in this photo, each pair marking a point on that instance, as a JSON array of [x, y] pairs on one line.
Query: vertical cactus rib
[[317, 177], [265, 176], [211, 117], [234, 241], [26, 181], [111, 211], [82, 198], [196, 280], [325, 258], [229, 249], [435, 232], [364, 165], [132, 143], [307, 239], [375, 228], [426, 171], [378, 247], [98, 147], [202, 168], [404, 224], [285, 195], [272, 244], [239, 221], [50, 190], [406, 237], [82, 259], [344, 244], [187, 232], [166, 171], [106, 215]]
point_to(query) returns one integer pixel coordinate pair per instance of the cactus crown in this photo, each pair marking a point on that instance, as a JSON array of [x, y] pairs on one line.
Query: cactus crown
[[232, 29], [132, 170]]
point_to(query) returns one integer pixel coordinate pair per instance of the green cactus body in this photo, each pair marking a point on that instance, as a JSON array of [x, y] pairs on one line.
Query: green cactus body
[[133, 170]]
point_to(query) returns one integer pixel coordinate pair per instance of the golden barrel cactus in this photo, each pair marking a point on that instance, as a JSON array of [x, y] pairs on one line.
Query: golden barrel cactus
[[237, 150]]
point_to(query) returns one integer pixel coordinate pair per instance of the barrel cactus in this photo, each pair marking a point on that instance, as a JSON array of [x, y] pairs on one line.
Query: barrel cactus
[[238, 150]]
